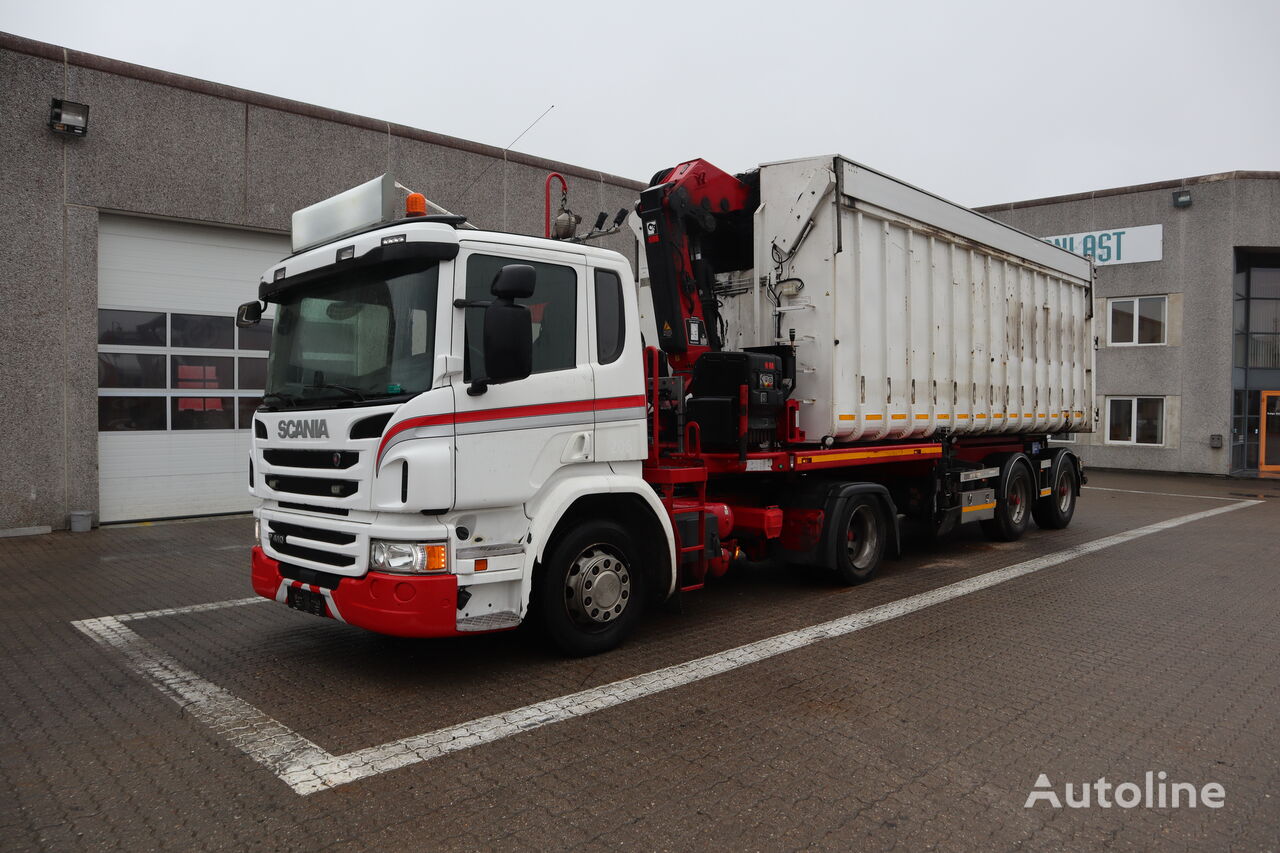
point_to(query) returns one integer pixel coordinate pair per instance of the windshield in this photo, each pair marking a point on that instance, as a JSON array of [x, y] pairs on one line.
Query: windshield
[[359, 337]]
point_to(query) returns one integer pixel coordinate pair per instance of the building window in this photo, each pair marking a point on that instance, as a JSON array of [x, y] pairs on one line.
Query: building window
[[1255, 355], [1137, 321], [1135, 420], [156, 370]]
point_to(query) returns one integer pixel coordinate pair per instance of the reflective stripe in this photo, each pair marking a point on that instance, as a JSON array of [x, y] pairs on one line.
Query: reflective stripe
[[869, 454]]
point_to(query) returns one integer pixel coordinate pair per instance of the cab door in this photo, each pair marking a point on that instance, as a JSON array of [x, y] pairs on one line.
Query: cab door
[[617, 360], [515, 436]]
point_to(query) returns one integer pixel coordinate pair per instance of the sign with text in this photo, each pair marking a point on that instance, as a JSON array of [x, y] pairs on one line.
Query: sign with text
[[1115, 245]]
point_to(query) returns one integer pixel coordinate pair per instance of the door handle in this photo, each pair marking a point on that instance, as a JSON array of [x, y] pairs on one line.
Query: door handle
[[578, 449]]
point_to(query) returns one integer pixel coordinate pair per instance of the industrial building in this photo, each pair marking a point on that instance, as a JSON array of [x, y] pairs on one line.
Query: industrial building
[[142, 207], [1186, 319]]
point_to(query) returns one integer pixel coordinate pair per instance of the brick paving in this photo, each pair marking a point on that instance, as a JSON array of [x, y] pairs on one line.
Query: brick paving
[[927, 731]]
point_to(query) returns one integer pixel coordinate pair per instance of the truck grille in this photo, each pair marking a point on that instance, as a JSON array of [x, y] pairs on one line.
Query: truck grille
[[329, 510], [330, 459], [318, 486], [283, 533], [309, 576]]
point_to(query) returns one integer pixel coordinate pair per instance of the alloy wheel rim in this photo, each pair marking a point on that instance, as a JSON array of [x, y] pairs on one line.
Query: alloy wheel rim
[[1018, 502], [861, 537], [597, 587]]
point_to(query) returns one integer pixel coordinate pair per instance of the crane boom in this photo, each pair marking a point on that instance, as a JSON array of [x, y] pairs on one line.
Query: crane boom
[[680, 214]]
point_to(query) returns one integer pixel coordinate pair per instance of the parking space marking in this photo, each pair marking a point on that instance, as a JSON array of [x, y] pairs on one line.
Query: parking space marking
[[1160, 494], [308, 768]]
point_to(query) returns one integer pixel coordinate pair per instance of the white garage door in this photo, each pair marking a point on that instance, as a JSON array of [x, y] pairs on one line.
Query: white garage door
[[177, 381]]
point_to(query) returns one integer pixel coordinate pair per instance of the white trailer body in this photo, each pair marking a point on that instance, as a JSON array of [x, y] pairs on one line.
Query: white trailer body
[[911, 314]]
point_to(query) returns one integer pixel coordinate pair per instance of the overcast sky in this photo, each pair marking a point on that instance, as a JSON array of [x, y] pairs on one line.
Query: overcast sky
[[978, 101]]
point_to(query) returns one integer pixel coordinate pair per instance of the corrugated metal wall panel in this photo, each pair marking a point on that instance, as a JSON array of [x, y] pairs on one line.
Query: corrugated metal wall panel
[[912, 315]]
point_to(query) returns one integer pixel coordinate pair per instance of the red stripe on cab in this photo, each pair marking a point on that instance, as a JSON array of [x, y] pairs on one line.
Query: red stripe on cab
[[510, 412]]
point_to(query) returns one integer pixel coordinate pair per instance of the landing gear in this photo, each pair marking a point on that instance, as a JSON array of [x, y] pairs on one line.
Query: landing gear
[[591, 591]]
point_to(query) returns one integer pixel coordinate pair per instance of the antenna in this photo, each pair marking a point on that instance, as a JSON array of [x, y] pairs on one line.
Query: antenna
[[505, 150]]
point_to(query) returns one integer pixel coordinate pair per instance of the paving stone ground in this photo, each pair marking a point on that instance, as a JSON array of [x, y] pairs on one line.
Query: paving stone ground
[[924, 732]]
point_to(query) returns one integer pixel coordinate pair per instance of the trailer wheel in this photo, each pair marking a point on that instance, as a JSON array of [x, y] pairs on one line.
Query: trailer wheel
[[860, 538], [1013, 513], [591, 591], [1054, 511]]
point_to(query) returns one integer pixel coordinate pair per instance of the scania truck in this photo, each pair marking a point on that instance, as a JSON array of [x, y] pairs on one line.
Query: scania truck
[[464, 429]]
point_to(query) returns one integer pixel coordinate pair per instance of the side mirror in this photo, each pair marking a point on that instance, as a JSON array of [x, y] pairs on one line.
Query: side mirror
[[514, 281], [508, 329], [249, 315]]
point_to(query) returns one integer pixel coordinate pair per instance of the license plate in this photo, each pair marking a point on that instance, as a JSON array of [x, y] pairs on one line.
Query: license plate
[[306, 601]]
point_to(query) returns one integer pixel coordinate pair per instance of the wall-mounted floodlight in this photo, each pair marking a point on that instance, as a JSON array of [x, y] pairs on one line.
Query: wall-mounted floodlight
[[68, 117], [1182, 198]]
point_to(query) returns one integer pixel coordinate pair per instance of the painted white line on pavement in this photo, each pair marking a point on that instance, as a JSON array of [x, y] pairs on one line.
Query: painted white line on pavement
[[1161, 494], [266, 741], [307, 768], [190, 608]]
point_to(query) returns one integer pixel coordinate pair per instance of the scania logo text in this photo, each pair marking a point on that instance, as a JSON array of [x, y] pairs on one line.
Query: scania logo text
[[314, 428]]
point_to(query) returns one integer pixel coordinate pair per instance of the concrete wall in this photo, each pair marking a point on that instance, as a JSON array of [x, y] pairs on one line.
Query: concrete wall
[[1194, 370], [169, 146]]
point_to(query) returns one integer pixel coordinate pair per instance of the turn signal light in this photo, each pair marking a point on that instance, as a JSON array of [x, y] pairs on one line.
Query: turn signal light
[[415, 205], [437, 557]]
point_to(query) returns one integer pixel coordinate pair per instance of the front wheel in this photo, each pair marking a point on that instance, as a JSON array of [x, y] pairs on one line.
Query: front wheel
[[1013, 514], [592, 591], [861, 534], [1054, 511]]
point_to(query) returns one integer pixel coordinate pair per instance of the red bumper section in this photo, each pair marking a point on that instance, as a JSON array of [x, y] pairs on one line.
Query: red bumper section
[[386, 604]]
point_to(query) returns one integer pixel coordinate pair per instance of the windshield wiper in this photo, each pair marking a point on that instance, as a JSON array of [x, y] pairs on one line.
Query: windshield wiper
[[346, 389], [280, 397]]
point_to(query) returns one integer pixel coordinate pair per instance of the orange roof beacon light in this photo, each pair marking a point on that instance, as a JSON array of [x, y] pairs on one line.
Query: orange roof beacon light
[[415, 205]]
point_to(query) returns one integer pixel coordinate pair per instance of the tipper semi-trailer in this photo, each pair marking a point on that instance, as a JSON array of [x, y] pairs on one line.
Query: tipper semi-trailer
[[464, 429]]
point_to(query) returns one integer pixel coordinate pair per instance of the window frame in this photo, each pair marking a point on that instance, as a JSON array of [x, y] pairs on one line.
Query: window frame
[[1134, 300], [582, 283], [1133, 421], [613, 280]]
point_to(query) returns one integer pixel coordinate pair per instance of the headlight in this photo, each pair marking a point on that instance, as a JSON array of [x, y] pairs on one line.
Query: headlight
[[408, 558], [257, 532]]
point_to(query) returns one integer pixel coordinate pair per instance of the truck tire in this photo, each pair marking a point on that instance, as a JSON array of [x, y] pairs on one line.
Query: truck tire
[[1054, 511], [860, 537], [1013, 511], [592, 590]]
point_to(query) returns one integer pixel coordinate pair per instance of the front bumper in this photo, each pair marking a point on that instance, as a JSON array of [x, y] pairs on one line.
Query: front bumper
[[399, 605]]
